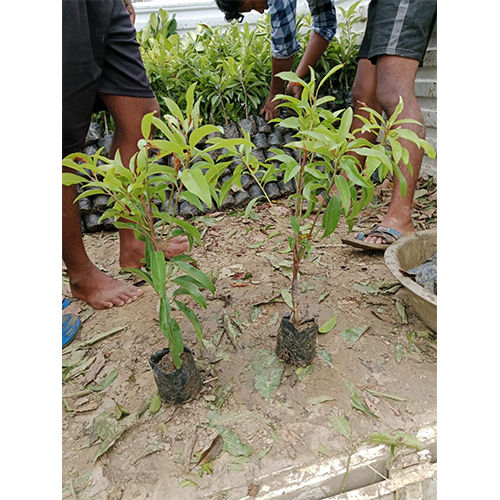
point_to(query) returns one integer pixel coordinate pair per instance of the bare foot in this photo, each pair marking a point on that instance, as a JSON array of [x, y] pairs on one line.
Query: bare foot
[[132, 251], [101, 291]]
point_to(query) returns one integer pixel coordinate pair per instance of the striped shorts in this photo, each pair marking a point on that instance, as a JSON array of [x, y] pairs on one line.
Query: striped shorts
[[398, 28]]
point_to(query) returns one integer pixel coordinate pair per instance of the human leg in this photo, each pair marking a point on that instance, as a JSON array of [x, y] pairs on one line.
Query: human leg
[[396, 78], [86, 281], [395, 40], [80, 77], [128, 113], [364, 94]]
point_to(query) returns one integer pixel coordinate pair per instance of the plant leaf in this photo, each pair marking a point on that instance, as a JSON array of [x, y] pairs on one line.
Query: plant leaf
[[328, 325], [352, 335], [106, 382], [341, 425], [233, 443], [287, 297], [326, 357], [268, 371], [155, 404]]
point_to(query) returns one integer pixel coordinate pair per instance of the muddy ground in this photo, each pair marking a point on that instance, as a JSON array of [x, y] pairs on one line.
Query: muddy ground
[[117, 444]]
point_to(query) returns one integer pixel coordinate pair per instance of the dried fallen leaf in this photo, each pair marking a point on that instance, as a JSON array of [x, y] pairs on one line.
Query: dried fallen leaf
[[120, 411], [233, 444], [352, 335], [320, 399], [372, 407], [268, 371], [253, 489], [384, 317], [399, 350], [326, 357], [400, 307], [287, 297], [106, 428], [149, 450], [212, 452], [94, 370], [356, 401]]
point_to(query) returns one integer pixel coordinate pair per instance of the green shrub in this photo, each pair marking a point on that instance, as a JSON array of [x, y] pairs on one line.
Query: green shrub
[[232, 64]]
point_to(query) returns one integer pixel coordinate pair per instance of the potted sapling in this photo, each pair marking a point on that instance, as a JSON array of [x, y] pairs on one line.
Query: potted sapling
[[132, 195], [327, 163]]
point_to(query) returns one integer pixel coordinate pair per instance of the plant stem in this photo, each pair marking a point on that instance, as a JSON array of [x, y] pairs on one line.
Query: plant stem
[[296, 262]]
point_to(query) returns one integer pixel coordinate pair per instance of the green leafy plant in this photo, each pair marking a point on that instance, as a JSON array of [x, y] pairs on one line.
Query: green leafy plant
[[344, 49], [133, 192], [397, 440], [159, 28], [326, 163], [230, 65]]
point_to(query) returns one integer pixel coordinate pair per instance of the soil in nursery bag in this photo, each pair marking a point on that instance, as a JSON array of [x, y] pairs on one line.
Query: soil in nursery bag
[[175, 385], [254, 415], [297, 345]]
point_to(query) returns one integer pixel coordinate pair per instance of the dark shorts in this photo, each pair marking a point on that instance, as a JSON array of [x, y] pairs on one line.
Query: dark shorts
[[100, 54], [398, 28]]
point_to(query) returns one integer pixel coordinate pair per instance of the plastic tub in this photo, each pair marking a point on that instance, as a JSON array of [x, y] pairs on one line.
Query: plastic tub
[[408, 252]]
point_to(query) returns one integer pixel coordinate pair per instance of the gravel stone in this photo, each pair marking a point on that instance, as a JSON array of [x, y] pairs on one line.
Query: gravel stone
[[92, 223], [94, 133], [259, 154], [100, 203], [169, 209], [249, 125], [90, 150], [276, 138], [225, 178], [231, 131], [262, 125], [272, 190], [246, 181], [187, 210], [85, 205], [105, 142], [109, 224], [229, 202], [286, 189], [212, 135], [241, 198], [260, 140], [255, 191]]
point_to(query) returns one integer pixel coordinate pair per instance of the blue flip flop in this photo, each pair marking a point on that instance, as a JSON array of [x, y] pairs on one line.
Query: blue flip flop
[[70, 325]]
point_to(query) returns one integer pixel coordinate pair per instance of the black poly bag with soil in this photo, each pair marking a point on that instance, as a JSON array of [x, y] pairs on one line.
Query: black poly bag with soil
[[294, 346], [175, 386]]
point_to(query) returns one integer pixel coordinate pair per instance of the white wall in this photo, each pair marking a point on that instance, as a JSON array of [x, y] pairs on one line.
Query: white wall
[[189, 13]]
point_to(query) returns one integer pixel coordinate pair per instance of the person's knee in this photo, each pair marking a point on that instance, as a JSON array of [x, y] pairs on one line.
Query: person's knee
[[388, 96], [155, 107], [362, 93]]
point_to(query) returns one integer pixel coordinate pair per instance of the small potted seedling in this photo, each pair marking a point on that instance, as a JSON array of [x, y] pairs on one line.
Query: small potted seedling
[[132, 195], [328, 163]]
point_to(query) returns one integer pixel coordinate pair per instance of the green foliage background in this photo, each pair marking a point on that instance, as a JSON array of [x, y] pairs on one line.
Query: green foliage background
[[232, 64]]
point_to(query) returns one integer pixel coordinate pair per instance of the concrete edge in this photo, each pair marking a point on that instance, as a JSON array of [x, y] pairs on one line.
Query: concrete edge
[[367, 468]]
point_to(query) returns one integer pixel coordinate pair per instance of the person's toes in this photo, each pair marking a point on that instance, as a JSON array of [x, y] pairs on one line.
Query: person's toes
[[177, 245], [118, 302]]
